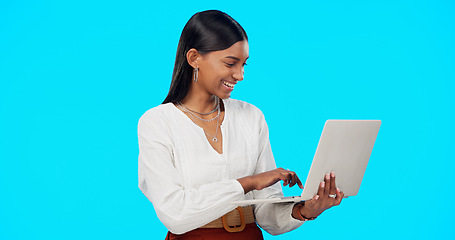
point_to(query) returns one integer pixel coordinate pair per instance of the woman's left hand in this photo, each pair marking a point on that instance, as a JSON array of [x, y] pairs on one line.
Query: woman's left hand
[[324, 199]]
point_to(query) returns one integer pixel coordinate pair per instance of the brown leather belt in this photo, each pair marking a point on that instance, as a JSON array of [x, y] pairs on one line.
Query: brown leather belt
[[233, 221]]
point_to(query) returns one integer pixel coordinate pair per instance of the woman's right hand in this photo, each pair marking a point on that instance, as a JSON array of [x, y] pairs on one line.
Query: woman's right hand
[[266, 179]]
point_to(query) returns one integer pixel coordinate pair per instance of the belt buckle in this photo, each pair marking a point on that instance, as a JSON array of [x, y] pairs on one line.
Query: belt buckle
[[233, 229]]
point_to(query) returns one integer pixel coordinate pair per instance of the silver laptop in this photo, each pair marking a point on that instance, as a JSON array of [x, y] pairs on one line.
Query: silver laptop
[[344, 147]]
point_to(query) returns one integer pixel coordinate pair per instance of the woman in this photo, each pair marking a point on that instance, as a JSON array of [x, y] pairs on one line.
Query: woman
[[201, 150]]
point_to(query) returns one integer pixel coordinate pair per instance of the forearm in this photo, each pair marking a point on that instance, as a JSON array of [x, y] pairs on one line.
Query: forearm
[[268, 178], [276, 218], [247, 183], [184, 210], [296, 211]]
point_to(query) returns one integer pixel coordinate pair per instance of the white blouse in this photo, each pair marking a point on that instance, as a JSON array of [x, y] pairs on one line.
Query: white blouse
[[190, 184]]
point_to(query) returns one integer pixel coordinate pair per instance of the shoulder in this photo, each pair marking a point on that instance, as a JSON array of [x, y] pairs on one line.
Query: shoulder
[[244, 108], [157, 116]]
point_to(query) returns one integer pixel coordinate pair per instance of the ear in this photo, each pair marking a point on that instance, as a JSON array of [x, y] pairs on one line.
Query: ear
[[192, 57]]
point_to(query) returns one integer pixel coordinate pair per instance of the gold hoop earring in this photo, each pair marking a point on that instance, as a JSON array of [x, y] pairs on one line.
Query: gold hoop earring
[[195, 74]]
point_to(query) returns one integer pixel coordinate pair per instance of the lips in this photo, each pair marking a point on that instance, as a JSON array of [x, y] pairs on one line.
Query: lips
[[228, 84]]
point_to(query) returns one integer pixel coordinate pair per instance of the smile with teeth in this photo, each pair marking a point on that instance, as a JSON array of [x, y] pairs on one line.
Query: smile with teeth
[[228, 84]]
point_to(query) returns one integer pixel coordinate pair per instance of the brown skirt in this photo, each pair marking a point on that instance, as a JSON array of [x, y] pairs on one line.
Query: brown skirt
[[251, 232]]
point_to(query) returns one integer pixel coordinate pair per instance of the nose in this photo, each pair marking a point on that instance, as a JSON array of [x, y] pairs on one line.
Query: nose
[[238, 73]]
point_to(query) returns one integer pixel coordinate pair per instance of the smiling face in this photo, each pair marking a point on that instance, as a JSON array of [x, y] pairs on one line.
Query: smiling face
[[219, 71]]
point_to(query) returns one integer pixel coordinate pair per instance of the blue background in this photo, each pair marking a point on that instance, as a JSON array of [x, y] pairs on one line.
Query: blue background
[[75, 76]]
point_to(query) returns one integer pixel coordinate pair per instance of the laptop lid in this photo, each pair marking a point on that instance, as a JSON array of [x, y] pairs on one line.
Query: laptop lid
[[345, 147]]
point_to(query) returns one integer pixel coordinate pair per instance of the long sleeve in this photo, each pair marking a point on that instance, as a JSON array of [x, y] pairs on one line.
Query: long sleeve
[[275, 218], [190, 184], [179, 207]]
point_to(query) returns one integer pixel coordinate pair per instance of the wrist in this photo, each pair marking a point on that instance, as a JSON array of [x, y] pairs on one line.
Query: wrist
[[300, 212], [247, 184]]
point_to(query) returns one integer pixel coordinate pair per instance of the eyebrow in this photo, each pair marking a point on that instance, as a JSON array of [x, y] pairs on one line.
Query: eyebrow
[[235, 58]]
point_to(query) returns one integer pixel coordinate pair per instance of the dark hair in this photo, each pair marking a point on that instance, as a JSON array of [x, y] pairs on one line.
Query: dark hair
[[206, 32]]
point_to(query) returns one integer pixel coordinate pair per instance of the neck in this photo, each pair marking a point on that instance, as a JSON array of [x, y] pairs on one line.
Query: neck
[[200, 102]]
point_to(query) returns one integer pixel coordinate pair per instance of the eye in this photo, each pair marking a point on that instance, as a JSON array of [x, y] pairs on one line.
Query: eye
[[244, 64], [229, 64]]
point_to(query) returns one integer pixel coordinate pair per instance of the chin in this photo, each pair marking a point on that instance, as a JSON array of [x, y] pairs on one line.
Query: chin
[[224, 96]]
